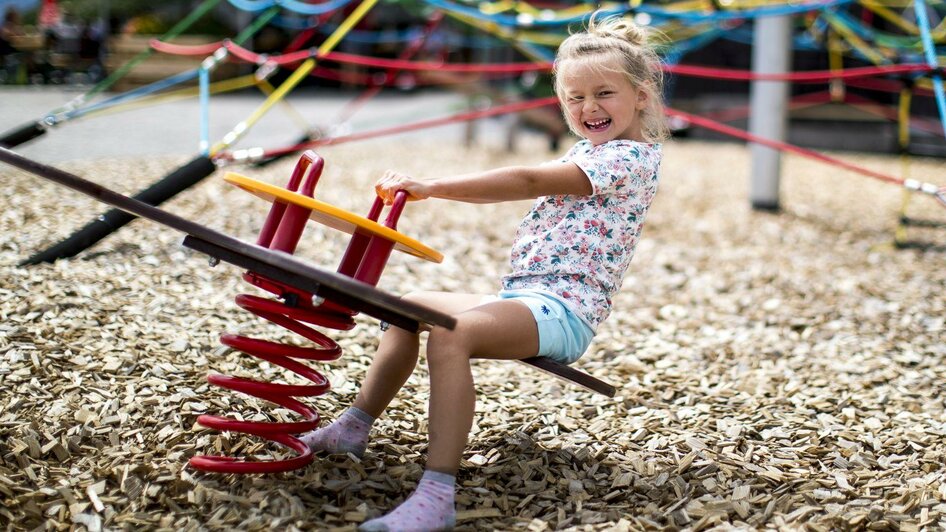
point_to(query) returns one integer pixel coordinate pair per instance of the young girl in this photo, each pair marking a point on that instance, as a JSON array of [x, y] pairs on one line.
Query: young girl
[[568, 258]]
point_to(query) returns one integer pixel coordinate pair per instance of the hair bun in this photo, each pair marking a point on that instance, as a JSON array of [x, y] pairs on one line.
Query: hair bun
[[619, 28]]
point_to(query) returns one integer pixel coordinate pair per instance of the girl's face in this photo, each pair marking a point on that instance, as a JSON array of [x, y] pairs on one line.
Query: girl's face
[[600, 103]]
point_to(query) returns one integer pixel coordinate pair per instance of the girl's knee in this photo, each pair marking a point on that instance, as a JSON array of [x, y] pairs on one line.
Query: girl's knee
[[400, 339], [445, 345]]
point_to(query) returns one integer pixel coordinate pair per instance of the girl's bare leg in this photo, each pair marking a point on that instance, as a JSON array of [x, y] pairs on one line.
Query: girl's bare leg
[[393, 364], [503, 329], [498, 330], [396, 356]]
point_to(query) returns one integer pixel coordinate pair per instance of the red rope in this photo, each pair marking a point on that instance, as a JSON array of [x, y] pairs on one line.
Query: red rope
[[390, 74], [779, 145], [813, 76], [369, 79], [940, 194], [742, 111], [423, 124], [890, 113], [818, 98], [185, 49], [304, 36], [886, 85], [360, 78]]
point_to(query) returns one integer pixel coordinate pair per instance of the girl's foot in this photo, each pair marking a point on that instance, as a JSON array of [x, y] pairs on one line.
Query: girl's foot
[[430, 507], [347, 434]]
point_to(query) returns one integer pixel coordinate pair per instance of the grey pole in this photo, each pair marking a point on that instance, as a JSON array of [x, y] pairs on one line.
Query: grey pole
[[768, 105]]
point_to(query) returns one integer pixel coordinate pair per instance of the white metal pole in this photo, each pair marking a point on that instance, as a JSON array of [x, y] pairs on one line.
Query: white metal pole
[[768, 105]]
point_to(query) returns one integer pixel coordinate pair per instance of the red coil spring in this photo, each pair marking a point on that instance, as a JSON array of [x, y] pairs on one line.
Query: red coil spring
[[286, 356], [363, 260]]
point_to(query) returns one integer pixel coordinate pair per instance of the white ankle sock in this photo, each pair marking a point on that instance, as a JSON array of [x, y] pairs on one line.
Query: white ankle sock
[[347, 434], [430, 507]]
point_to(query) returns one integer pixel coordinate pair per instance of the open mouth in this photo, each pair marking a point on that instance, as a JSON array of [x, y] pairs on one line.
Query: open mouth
[[598, 125]]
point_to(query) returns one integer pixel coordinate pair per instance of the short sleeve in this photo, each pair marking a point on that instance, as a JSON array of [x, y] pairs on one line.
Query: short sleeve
[[616, 167]]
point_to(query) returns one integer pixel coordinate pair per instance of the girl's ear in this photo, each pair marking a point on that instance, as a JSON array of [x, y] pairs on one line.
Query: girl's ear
[[642, 99]]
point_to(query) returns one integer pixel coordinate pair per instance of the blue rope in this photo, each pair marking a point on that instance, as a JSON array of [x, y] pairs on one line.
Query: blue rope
[[204, 111], [924, 24], [680, 48], [518, 21], [255, 6], [135, 93], [855, 26], [390, 36], [730, 15], [803, 42]]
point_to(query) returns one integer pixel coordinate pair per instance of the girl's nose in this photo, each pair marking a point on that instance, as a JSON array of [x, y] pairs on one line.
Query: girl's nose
[[590, 105]]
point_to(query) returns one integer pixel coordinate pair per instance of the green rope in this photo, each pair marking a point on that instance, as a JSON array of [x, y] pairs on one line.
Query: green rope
[[257, 24]]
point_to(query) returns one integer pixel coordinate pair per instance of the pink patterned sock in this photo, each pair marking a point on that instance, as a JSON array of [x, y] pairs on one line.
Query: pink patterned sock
[[430, 507], [347, 434]]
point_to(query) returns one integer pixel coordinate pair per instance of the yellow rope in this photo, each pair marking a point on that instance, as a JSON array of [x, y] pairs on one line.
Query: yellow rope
[[891, 17], [856, 42], [691, 5], [513, 37], [493, 8], [216, 87], [903, 117], [267, 88], [903, 137], [295, 78], [525, 8], [835, 64]]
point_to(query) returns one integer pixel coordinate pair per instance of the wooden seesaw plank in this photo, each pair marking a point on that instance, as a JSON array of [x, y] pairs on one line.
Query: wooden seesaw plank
[[557, 369], [281, 266]]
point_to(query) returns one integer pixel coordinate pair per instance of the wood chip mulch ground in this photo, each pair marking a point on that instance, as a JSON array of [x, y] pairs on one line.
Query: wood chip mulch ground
[[774, 370]]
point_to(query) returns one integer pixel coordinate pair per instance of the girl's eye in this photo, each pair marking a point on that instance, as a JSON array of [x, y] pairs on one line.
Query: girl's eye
[[574, 99], [605, 93]]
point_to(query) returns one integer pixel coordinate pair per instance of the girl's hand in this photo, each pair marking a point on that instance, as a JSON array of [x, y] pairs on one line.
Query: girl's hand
[[391, 182]]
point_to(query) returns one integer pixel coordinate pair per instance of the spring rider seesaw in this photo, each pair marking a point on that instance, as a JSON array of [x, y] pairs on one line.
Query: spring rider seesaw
[[307, 294], [364, 260]]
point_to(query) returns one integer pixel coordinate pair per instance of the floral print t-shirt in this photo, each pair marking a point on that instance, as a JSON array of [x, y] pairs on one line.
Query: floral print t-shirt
[[578, 247]]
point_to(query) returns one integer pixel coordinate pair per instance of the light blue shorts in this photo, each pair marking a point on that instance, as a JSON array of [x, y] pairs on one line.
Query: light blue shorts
[[563, 336]]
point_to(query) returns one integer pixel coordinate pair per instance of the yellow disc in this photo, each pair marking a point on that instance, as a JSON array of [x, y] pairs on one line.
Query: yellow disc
[[333, 216]]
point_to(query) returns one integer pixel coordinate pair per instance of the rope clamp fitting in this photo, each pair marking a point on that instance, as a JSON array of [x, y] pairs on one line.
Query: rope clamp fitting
[[248, 155], [212, 61], [266, 69]]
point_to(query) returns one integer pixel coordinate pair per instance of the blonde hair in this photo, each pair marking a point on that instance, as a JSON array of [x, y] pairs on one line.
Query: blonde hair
[[629, 44]]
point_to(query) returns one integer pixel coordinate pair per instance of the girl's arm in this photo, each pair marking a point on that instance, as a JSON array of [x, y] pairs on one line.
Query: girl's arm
[[502, 184]]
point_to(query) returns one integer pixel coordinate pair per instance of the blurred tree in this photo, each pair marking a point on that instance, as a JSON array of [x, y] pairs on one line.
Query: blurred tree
[[122, 9], [143, 16]]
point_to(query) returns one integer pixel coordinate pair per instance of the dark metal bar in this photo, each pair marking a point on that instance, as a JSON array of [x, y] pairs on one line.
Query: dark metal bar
[[918, 222], [24, 133], [177, 181], [918, 245]]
